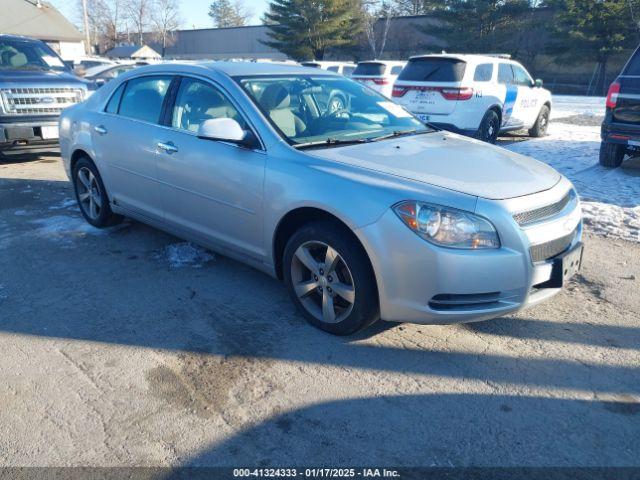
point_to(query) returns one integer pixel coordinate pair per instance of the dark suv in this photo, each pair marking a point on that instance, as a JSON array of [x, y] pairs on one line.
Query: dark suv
[[621, 127], [35, 86]]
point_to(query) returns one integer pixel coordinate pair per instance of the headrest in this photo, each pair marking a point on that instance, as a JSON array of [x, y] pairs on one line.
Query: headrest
[[275, 97], [18, 60]]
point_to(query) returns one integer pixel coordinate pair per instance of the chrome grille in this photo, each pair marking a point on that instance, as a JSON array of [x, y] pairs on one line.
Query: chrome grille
[[543, 213], [548, 250], [39, 100]]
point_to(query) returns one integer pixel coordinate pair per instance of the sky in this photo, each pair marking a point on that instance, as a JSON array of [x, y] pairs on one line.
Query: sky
[[194, 12]]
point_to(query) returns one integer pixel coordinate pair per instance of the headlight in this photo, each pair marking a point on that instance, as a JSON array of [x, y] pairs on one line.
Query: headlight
[[448, 227]]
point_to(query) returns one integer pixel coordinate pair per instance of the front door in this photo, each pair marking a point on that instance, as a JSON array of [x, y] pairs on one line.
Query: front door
[[211, 188]]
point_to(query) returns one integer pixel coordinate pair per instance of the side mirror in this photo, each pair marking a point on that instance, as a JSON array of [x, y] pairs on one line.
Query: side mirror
[[538, 83], [227, 130]]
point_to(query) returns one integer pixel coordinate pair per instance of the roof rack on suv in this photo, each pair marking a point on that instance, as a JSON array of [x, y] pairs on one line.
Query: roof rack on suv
[[498, 55]]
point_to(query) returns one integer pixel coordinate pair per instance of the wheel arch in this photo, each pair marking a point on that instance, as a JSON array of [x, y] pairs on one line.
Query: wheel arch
[[498, 109], [296, 219], [77, 154]]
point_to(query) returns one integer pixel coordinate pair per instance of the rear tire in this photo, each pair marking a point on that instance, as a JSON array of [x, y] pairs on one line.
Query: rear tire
[[539, 128], [489, 127], [612, 154], [91, 195], [330, 279]]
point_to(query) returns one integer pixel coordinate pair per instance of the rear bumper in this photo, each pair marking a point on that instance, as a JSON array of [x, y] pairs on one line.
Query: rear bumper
[[26, 135], [620, 133]]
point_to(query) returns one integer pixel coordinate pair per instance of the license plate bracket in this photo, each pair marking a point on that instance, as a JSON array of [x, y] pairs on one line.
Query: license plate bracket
[[565, 266]]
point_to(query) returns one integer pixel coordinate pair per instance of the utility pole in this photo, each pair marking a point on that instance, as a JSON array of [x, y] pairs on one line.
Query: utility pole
[[87, 34]]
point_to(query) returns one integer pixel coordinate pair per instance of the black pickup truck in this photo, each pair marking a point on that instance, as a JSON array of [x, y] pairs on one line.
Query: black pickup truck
[[621, 126], [35, 86]]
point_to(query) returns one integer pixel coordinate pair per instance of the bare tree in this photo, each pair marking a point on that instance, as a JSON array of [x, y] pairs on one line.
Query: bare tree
[[377, 15], [106, 19], [165, 19], [139, 13]]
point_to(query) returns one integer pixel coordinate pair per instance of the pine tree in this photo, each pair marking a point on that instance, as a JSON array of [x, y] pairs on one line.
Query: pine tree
[[228, 13], [306, 29]]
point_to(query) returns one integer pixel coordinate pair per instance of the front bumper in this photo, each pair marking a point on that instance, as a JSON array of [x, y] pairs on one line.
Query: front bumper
[[422, 283], [27, 134]]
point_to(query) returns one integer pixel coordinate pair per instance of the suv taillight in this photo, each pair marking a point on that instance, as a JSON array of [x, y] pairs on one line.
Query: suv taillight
[[381, 81], [457, 93], [612, 95], [399, 91]]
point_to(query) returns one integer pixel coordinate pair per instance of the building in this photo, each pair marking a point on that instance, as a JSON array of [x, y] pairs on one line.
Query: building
[[37, 19], [133, 52]]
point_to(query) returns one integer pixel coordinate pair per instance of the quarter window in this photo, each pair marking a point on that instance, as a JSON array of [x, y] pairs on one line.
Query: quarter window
[[198, 101], [114, 101], [396, 70], [483, 73], [143, 97], [505, 74]]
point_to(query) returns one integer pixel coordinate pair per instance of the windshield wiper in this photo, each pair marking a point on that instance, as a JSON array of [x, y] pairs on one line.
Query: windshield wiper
[[330, 142], [400, 133]]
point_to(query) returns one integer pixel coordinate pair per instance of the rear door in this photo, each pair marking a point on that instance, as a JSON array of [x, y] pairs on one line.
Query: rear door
[[627, 109], [425, 84]]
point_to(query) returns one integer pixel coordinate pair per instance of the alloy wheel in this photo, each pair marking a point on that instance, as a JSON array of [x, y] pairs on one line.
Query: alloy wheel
[[323, 282], [89, 195]]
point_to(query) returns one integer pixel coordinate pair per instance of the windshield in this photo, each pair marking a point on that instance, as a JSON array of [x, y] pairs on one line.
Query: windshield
[[311, 110], [26, 55]]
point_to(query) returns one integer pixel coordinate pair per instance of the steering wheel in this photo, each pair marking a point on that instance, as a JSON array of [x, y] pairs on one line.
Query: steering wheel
[[341, 113]]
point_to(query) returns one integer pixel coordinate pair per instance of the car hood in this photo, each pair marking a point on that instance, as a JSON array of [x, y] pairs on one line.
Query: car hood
[[37, 76], [449, 161]]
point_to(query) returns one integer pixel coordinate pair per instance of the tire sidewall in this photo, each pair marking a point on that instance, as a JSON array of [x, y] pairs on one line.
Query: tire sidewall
[[365, 308], [105, 218], [489, 117]]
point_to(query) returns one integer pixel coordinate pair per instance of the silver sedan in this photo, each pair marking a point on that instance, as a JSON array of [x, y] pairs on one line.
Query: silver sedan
[[363, 211]]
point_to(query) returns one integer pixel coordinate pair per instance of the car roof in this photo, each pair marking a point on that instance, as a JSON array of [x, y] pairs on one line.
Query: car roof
[[19, 37], [233, 69], [465, 57]]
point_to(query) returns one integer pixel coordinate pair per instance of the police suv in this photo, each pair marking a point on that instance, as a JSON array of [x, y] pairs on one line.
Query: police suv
[[476, 95]]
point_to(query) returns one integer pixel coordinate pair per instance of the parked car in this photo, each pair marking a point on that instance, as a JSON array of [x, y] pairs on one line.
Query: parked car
[[476, 95], [81, 65], [105, 73], [620, 130], [364, 214], [35, 86], [379, 75], [343, 68]]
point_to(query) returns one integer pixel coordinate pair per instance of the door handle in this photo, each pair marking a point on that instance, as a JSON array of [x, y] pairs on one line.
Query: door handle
[[168, 147], [100, 129]]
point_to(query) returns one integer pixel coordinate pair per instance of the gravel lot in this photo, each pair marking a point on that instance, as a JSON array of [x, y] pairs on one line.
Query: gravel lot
[[128, 347]]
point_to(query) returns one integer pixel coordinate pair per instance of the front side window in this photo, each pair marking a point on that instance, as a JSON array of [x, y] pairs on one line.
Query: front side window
[[308, 109], [143, 97], [198, 101], [505, 74], [522, 77], [483, 72]]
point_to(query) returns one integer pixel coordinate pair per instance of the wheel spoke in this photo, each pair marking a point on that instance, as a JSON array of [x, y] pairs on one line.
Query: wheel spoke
[[305, 288], [345, 291], [84, 179], [97, 199], [303, 254], [330, 260], [92, 208], [84, 196], [328, 313]]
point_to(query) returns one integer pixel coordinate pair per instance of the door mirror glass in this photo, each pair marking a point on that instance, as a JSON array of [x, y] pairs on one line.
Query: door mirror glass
[[538, 83], [222, 129]]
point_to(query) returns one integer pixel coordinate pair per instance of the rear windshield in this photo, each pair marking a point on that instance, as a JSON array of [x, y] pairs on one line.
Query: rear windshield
[[375, 69], [634, 64], [433, 70]]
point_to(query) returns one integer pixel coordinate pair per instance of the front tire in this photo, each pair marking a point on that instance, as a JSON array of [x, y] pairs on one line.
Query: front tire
[[330, 279], [92, 196], [489, 127], [612, 154], [539, 128]]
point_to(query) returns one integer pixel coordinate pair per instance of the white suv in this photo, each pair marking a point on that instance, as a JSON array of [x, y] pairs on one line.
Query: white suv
[[477, 95], [343, 68], [378, 75]]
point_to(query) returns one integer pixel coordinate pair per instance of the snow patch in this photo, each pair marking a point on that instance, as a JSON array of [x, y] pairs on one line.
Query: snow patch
[[67, 203], [612, 220], [66, 229], [21, 213], [184, 254], [570, 105]]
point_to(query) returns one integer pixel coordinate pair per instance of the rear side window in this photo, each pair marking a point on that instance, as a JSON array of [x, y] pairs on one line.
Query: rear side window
[[483, 73], [335, 68], [433, 70], [505, 74], [396, 70], [346, 71], [634, 64], [114, 101], [373, 69], [143, 97]]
